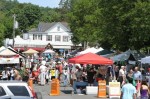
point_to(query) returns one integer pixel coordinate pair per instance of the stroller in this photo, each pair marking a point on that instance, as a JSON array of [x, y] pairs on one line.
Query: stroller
[[35, 76]]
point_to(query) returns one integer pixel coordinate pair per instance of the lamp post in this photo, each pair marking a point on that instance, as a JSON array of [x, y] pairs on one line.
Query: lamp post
[[14, 21]]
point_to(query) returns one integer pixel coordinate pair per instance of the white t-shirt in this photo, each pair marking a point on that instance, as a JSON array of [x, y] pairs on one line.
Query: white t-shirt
[[12, 72], [43, 68], [121, 72], [5, 74]]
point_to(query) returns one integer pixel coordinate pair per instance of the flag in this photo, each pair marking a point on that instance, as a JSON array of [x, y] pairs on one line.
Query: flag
[[16, 24]]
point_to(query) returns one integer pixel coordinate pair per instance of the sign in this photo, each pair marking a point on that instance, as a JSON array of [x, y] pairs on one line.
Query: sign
[[101, 88], [132, 62], [12, 60], [61, 50], [114, 89], [55, 87]]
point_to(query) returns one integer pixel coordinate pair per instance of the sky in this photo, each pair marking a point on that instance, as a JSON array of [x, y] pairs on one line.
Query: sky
[[43, 3]]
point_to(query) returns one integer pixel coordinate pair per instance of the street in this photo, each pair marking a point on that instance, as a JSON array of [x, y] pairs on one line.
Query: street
[[65, 93]]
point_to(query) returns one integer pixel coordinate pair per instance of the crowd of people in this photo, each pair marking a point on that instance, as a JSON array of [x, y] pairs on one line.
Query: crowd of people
[[132, 83], [10, 74]]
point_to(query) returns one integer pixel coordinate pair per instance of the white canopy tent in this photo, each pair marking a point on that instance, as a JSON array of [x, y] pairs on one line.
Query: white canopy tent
[[2, 48], [92, 50], [8, 57], [49, 51], [145, 60], [99, 49]]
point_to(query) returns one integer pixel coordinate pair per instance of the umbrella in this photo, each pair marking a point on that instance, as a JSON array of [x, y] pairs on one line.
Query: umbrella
[[91, 58], [49, 51], [7, 52], [30, 51]]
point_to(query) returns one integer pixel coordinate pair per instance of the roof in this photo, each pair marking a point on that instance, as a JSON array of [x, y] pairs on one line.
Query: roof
[[16, 52], [7, 52], [128, 55], [42, 27]]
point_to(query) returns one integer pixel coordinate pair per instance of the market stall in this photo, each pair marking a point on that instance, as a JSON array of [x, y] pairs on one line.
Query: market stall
[[8, 57], [90, 58]]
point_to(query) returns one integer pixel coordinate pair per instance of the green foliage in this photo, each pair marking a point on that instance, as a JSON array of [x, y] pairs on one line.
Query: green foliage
[[27, 15], [117, 24]]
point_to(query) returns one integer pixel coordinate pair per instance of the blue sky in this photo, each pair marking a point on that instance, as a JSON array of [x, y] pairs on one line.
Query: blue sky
[[43, 3]]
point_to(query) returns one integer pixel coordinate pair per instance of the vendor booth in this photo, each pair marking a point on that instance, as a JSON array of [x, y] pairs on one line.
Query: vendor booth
[[8, 57], [90, 58]]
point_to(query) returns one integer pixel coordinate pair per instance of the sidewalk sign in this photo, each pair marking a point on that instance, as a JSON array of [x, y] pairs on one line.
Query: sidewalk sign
[[101, 89], [30, 82], [114, 89], [55, 88]]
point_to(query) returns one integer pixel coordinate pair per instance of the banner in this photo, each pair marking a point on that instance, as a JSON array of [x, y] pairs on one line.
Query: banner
[[9, 60]]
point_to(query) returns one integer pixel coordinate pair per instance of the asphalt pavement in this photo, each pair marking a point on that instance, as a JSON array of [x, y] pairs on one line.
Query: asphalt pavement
[[65, 93]]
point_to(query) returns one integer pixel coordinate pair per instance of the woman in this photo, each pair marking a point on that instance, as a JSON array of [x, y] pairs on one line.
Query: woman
[[144, 90], [5, 74], [84, 75], [130, 74], [90, 76]]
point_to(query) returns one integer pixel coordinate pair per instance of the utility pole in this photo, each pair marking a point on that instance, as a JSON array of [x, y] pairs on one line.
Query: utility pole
[[14, 17]]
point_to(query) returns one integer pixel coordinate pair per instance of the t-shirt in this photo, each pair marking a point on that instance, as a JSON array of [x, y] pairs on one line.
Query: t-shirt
[[5, 74], [60, 69], [128, 91], [137, 75], [52, 72], [121, 72], [43, 68]]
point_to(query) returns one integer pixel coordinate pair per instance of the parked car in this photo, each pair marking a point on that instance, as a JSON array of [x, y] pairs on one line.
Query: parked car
[[17, 88], [16, 97]]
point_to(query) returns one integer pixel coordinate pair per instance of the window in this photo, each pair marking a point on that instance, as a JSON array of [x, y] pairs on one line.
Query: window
[[19, 90], [65, 38], [2, 92], [58, 28], [34, 37], [48, 37], [37, 37], [57, 38]]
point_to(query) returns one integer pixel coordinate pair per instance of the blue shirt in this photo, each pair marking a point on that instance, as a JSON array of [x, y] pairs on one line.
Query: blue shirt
[[137, 75], [128, 90]]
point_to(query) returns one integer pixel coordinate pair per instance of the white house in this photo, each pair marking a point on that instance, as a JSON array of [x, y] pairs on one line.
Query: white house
[[56, 33]]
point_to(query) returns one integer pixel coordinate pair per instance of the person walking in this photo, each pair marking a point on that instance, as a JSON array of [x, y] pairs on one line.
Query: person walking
[[12, 74], [128, 91], [122, 75], [5, 74], [43, 69], [137, 74], [144, 90]]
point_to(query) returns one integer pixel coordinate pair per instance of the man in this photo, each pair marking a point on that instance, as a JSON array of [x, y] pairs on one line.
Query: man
[[121, 75], [43, 69], [137, 74], [128, 90]]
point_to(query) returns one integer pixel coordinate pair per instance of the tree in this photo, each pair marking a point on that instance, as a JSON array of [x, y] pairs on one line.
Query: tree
[[83, 22], [120, 25]]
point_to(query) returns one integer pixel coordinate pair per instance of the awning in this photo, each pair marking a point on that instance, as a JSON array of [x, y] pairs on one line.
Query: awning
[[91, 58], [9, 60], [35, 48]]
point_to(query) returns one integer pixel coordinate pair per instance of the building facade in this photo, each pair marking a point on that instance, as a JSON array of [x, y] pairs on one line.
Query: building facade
[[57, 34]]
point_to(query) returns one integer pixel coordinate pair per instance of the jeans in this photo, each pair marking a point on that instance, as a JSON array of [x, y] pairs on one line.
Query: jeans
[[79, 84]]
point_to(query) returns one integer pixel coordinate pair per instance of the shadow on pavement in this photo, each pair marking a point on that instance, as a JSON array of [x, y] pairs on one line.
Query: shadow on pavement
[[67, 91]]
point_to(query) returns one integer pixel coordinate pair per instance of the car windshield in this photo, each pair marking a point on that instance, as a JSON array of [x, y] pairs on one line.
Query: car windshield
[[19, 90]]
